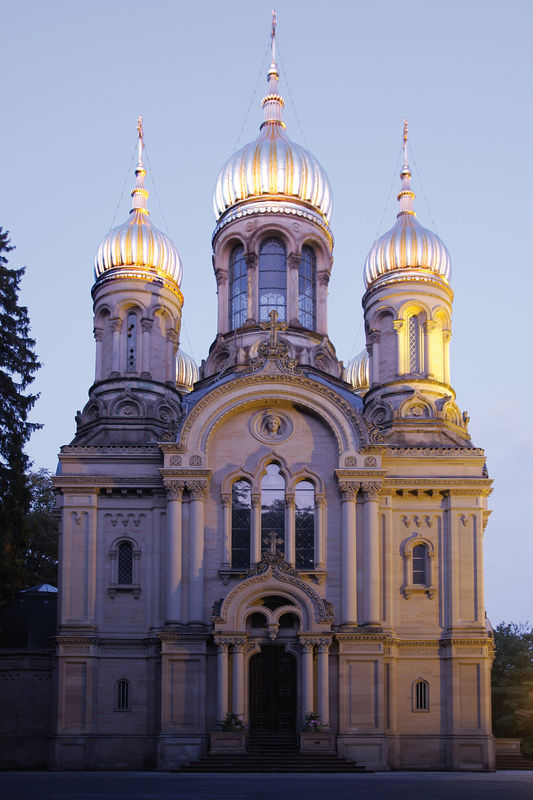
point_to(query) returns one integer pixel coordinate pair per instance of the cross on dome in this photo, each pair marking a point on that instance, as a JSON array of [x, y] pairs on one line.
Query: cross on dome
[[273, 326]]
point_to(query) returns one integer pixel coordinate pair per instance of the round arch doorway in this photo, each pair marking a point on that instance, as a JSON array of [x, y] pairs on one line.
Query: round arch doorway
[[272, 689]]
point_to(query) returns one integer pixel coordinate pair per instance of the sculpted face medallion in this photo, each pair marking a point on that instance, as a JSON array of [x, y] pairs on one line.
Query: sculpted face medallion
[[271, 426]]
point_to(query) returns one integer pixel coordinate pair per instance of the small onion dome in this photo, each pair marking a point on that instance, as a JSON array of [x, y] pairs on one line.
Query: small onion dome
[[186, 371], [407, 246], [137, 246], [356, 373], [274, 171]]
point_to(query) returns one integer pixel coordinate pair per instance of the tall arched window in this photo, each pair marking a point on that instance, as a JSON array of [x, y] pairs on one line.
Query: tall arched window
[[304, 497], [273, 508], [420, 565], [125, 563], [241, 515], [131, 339], [421, 696], [272, 279], [413, 349], [122, 700], [238, 288], [307, 288]]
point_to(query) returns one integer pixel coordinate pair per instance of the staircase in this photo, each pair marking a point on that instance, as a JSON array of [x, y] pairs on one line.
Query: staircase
[[273, 751], [513, 761]]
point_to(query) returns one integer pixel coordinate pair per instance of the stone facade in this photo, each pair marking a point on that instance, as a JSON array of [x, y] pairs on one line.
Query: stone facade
[[273, 513]]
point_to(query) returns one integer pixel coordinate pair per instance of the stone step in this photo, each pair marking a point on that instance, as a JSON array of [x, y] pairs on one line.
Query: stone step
[[270, 761], [513, 761]]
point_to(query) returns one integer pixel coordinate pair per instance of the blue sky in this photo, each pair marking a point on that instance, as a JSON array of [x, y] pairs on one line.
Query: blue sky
[[75, 76]]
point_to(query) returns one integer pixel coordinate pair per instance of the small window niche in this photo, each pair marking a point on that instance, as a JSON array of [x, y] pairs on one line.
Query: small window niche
[[420, 695], [125, 568], [419, 569], [122, 695]]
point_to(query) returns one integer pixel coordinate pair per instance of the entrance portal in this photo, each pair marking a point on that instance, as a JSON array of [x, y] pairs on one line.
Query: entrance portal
[[273, 689]]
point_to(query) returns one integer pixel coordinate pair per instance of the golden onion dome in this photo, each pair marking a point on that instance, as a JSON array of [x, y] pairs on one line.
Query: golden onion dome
[[272, 173], [408, 247], [137, 248], [186, 371], [356, 373]]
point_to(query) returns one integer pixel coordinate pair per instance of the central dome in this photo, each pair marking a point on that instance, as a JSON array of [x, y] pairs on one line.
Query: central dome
[[272, 173]]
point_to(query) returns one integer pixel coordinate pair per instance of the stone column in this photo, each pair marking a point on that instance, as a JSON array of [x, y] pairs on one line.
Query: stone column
[[98, 338], [239, 648], [372, 581], [293, 265], [349, 491], [116, 327], [323, 679], [429, 368], [255, 549], [322, 302], [197, 491], [446, 336], [374, 372], [252, 311], [146, 327], [400, 346], [290, 529], [223, 300], [307, 677], [226, 536], [222, 677], [320, 527], [172, 349], [174, 610]]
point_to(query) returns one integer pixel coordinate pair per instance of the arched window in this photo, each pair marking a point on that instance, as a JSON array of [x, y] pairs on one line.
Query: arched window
[[272, 279], [131, 339], [413, 349], [241, 514], [122, 699], [238, 288], [125, 563], [421, 696], [307, 288], [273, 508], [420, 565], [304, 498]]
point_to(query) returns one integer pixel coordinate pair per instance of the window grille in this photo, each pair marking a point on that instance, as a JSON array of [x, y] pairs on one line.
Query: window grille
[[272, 279], [131, 338], [421, 696], [273, 507], [125, 563], [413, 333], [238, 288], [420, 565], [305, 525], [307, 288], [241, 513], [123, 695]]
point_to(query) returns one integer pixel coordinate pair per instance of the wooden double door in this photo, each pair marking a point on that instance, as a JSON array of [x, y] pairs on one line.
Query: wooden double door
[[272, 687]]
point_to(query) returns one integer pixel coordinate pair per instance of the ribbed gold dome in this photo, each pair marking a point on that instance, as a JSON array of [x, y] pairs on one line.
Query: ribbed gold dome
[[186, 371], [407, 246], [272, 173], [356, 373], [138, 247]]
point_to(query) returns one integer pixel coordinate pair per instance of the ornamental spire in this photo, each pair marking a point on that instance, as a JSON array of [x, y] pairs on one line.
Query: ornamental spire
[[273, 103], [406, 195], [139, 193]]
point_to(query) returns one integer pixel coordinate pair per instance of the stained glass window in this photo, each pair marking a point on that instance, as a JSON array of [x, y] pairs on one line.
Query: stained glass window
[[273, 508], [241, 514], [272, 279], [238, 288], [307, 288], [305, 524]]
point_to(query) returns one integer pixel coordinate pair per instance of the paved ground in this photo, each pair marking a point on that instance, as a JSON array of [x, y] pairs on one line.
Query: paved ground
[[167, 786]]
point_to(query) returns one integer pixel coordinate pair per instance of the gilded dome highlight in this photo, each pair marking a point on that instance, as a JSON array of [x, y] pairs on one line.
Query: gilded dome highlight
[[407, 246], [273, 170], [186, 371], [137, 248], [356, 373]]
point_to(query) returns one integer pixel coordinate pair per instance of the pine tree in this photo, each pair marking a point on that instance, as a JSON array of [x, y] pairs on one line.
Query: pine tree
[[512, 683], [18, 364]]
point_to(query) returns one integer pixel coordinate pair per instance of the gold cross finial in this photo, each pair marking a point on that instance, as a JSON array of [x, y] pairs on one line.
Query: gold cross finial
[[405, 131], [140, 131], [272, 540], [273, 35], [274, 326]]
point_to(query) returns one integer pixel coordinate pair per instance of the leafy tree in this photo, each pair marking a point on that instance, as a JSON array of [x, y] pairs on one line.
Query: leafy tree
[[512, 683], [18, 364], [42, 531]]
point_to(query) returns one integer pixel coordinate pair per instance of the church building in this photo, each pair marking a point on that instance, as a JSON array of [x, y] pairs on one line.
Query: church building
[[272, 534]]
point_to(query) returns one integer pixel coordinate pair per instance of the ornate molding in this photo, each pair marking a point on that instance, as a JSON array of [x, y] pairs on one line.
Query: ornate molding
[[174, 489], [197, 489], [349, 490], [371, 489]]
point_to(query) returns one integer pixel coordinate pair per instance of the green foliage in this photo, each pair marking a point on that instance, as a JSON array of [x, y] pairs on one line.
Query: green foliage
[[512, 683], [42, 531], [18, 364]]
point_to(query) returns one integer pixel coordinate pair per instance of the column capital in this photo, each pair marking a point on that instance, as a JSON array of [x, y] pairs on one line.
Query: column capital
[[98, 334], [323, 278], [221, 276], [398, 324], [429, 325], [307, 645], [175, 489], [256, 499], [146, 324], [172, 336], [289, 500], [374, 336], [115, 324], [446, 336], [226, 500], [348, 490], [371, 489], [197, 489], [222, 642], [251, 260], [323, 644], [320, 500], [293, 260], [238, 644]]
